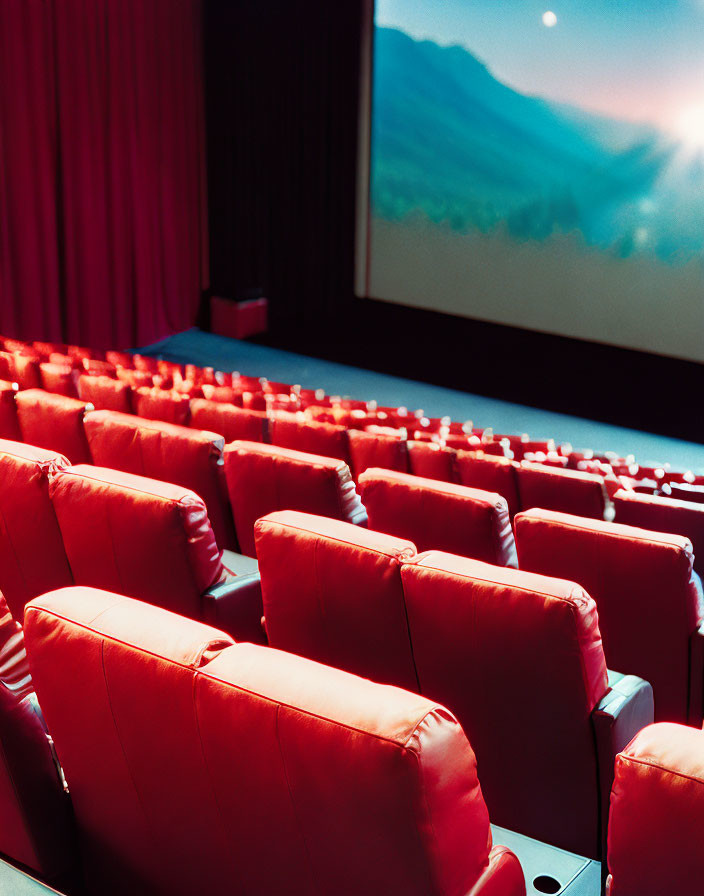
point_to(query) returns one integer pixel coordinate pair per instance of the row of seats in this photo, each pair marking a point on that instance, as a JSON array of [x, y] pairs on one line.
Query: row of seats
[[197, 763], [516, 657]]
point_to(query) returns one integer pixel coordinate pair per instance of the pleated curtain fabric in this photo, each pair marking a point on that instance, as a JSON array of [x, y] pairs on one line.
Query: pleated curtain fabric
[[103, 218]]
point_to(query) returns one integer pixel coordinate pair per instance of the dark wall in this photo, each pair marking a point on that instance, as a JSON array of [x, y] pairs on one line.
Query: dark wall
[[282, 86], [282, 91]]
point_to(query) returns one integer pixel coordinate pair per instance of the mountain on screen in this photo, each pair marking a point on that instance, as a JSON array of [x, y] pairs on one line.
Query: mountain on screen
[[452, 143]]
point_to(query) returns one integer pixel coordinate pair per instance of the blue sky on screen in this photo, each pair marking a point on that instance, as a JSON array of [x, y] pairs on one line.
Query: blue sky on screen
[[640, 60]]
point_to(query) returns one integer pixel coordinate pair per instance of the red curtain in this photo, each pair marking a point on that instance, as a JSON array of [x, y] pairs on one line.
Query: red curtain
[[103, 228]]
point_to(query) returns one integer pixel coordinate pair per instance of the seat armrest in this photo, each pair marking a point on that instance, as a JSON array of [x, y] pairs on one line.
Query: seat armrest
[[503, 876], [236, 607], [626, 707], [695, 704]]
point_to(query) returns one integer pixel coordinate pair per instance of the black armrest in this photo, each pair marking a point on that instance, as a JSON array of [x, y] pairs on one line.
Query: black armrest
[[236, 608], [625, 708], [695, 704]]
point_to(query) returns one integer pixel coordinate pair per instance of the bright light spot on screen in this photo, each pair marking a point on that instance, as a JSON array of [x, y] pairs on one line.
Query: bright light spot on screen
[[690, 126], [642, 236], [549, 19]]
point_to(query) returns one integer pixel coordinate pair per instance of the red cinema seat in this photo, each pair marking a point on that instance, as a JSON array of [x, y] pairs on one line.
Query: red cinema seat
[[105, 393], [32, 555], [491, 474], [646, 593], [265, 478], [151, 540], [54, 422], [683, 491], [567, 491], [439, 515], [664, 515], [25, 370], [162, 404], [316, 608], [36, 824], [325, 439], [432, 461], [187, 457], [60, 379], [9, 424], [657, 814], [373, 449], [518, 659], [120, 359], [315, 781], [230, 421]]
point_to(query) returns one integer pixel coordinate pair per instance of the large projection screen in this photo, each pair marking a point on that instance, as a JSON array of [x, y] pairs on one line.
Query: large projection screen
[[539, 165]]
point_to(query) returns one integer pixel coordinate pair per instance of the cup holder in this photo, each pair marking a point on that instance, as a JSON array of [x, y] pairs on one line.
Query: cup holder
[[546, 884]]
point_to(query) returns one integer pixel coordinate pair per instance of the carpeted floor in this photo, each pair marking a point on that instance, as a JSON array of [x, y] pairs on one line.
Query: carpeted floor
[[205, 349]]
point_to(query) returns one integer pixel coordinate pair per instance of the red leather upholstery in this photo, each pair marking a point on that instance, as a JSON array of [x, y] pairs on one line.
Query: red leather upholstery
[[643, 587], [431, 461], [230, 421], [664, 515], [187, 457], [332, 592], [58, 378], [369, 449], [105, 393], [568, 491], [492, 474], [439, 515], [36, 828], [518, 658], [265, 478], [9, 424], [325, 439], [148, 539], [315, 781], [54, 422], [657, 814], [161, 404], [32, 555], [25, 370]]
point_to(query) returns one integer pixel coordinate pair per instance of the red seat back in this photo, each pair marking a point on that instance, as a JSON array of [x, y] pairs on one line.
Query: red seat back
[[32, 555], [644, 590], [657, 814], [518, 658], [492, 474], [431, 461], [265, 478], [314, 780], [332, 592], [230, 421], [36, 827], [59, 378], [439, 515], [567, 491], [9, 424], [187, 457], [148, 539], [369, 449], [105, 393], [664, 515], [162, 404], [54, 422], [325, 439]]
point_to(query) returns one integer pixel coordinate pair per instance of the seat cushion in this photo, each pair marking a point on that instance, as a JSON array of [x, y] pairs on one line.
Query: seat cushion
[[332, 592], [159, 729], [54, 422], [644, 587], [265, 478], [186, 457], [439, 515], [148, 539], [32, 555], [518, 658]]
